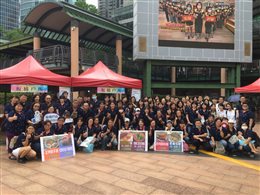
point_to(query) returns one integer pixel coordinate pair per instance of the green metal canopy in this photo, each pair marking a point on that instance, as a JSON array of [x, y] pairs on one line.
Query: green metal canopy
[[52, 21]]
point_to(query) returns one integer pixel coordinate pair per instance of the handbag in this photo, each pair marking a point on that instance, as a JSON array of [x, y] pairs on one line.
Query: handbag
[[87, 145], [185, 147], [219, 149], [88, 149], [233, 139], [13, 142]]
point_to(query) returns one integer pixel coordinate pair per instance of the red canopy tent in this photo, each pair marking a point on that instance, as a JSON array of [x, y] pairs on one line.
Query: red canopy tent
[[252, 88], [101, 76], [29, 71]]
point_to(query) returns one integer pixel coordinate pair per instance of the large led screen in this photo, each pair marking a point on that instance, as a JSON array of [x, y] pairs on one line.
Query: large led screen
[[197, 24]]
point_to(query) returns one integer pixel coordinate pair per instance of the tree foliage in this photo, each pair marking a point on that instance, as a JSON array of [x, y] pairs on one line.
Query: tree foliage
[[11, 35], [88, 7]]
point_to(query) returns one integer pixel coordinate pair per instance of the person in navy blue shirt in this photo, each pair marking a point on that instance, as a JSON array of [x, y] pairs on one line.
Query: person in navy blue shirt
[[22, 149], [7, 109], [66, 99], [75, 111], [246, 116], [204, 112], [30, 114], [112, 113], [249, 139], [86, 112], [192, 114], [46, 104], [101, 113], [15, 125], [10, 106], [218, 133], [109, 136], [61, 106], [198, 136], [80, 133], [24, 101], [59, 128]]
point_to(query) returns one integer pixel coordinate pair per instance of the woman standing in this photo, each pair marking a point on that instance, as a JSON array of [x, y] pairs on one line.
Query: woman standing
[[15, 126], [199, 14], [188, 14]]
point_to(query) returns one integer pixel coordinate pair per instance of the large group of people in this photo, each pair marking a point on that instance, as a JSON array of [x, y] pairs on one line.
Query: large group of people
[[212, 16], [205, 122]]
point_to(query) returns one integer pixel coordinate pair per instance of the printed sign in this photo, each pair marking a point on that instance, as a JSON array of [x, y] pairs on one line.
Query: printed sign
[[136, 93], [57, 146], [168, 141], [111, 90], [133, 141], [53, 117], [65, 89], [29, 88]]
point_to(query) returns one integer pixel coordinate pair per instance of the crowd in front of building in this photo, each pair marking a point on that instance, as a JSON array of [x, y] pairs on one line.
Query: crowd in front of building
[[205, 122]]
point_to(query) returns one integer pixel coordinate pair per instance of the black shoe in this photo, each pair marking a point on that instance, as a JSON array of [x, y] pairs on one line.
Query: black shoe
[[196, 152], [21, 160]]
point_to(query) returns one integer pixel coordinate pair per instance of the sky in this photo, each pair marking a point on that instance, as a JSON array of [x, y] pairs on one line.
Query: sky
[[94, 2]]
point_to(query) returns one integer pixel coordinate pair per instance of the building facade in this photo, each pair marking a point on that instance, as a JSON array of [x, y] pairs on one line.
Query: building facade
[[9, 15], [28, 5], [106, 7], [192, 57], [124, 14]]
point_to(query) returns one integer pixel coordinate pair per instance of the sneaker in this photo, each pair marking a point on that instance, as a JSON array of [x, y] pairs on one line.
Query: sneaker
[[21, 160], [151, 147]]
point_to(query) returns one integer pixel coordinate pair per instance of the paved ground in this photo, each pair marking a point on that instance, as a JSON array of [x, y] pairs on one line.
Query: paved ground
[[128, 173]]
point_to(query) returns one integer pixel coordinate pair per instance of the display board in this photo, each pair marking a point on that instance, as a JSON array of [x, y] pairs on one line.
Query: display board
[[168, 141], [57, 147], [133, 141]]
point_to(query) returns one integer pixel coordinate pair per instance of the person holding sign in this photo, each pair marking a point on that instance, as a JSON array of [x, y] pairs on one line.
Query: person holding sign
[[51, 115], [22, 150]]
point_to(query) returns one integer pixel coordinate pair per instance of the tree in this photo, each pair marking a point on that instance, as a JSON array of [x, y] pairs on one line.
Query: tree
[[88, 7], [13, 34]]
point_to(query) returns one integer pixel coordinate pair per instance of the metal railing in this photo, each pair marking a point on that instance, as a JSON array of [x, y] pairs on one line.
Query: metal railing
[[58, 57]]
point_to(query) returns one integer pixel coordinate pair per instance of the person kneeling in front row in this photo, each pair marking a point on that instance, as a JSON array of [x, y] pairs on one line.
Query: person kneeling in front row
[[199, 136], [22, 150]]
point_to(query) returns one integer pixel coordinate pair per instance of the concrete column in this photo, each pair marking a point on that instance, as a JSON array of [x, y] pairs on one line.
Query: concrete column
[[173, 80], [238, 75], [223, 80], [36, 41], [119, 53], [74, 49], [147, 86]]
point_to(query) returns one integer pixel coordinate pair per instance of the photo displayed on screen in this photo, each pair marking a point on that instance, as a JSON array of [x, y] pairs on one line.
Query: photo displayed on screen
[[197, 23]]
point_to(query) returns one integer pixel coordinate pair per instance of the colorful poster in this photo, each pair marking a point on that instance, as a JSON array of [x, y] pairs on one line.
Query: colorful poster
[[133, 141], [29, 88], [136, 93], [111, 90], [168, 141], [57, 147]]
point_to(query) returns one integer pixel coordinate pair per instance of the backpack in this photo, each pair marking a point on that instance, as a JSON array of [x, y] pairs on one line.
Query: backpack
[[13, 142], [219, 149]]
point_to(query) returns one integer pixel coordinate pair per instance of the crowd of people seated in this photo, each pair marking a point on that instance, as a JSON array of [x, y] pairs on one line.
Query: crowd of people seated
[[206, 122]]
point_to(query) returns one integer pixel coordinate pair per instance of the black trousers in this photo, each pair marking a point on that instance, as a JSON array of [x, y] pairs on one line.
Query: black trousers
[[198, 143]]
